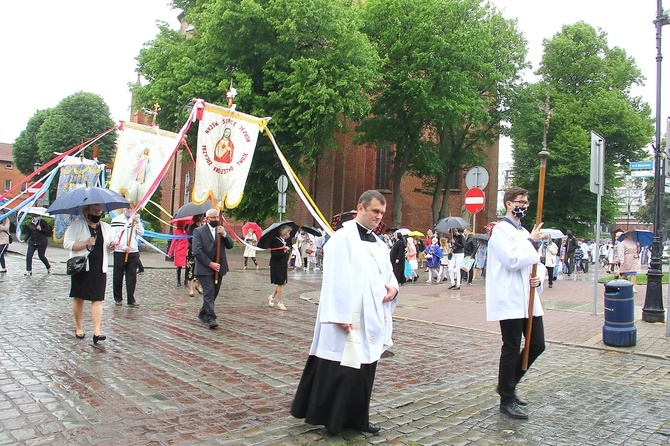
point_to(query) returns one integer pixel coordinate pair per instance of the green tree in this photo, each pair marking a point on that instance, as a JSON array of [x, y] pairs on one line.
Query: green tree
[[77, 118], [449, 70], [24, 149], [303, 62], [589, 86]]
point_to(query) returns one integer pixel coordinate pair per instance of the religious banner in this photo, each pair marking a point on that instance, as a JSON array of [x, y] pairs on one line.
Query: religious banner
[[226, 145], [142, 154], [75, 172]]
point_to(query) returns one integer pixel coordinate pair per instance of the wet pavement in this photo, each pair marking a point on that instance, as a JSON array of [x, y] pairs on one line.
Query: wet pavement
[[163, 378]]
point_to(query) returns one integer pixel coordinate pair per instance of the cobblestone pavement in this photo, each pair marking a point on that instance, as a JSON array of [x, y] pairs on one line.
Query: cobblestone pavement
[[162, 378]]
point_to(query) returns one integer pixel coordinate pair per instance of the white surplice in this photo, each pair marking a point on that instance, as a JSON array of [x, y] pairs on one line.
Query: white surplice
[[355, 275]]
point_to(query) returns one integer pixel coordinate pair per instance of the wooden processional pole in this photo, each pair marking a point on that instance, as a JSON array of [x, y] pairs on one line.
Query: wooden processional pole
[[543, 155]]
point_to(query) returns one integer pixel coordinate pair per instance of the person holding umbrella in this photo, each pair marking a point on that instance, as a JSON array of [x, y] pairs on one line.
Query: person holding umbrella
[[512, 252], [89, 236], [279, 256], [251, 240], [629, 256], [38, 232]]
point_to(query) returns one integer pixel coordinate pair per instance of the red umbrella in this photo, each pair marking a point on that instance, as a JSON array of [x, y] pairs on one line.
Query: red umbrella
[[182, 222], [254, 226]]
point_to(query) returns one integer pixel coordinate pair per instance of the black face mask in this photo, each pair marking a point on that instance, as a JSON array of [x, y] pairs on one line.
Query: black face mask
[[94, 218], [214, 223], [519, 212]]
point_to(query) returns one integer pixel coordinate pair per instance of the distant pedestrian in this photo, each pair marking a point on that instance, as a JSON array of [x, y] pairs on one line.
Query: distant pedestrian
[[548, 251], [280, 250], [433, 256], [4, 241], [410, 257], [444, 261], [249, 252], [480, 259], [457, 249], [629, 255], [570, 247], [127, 230], [190, 258], [178, 251], [512, 252], [38, 232], [397, 255]]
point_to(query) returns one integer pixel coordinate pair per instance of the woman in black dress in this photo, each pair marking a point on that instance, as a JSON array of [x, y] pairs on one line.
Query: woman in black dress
[[279, 256], [398, 258], [89, 236]]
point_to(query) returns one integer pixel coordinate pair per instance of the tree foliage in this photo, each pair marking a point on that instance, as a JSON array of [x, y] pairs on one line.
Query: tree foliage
[[77, 118], [589, 86], [303, 62], [449, 68]]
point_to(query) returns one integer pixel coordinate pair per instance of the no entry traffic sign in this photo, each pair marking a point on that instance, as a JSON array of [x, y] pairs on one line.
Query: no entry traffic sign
[[474, 200]]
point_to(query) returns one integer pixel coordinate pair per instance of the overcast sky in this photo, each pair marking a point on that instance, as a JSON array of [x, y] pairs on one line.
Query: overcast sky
[[52, 49]]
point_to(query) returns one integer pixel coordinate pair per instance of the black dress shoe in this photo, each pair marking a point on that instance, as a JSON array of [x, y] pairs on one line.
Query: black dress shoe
[[517, 399], [372, 428], [520, 401], [213, 323], [513, 410], [451, 287]]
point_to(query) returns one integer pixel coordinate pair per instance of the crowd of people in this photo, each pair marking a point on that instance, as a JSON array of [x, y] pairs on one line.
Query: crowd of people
[[362, 276]]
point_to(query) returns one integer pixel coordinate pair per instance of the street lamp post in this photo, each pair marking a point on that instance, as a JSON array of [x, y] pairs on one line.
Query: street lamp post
[[653, 302]]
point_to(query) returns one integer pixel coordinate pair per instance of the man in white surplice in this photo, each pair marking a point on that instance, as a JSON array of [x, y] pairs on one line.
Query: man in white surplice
[[353, 324]]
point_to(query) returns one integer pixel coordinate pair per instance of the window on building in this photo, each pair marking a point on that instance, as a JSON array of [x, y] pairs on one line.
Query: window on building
[[8, 184], [9, 166], [455, 180], [24, 186], [383, 169]]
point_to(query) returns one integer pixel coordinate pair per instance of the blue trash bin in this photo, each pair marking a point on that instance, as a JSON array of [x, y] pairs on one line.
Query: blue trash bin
[[619, 329]]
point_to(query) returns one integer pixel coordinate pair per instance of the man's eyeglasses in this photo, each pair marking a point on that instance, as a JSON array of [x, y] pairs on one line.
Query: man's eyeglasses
[[521, 202]]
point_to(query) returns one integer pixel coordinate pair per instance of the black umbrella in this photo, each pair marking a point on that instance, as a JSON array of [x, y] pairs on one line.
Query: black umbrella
[[273, 231], [446, 224], [311, 230], [190, 209], [482, 236]]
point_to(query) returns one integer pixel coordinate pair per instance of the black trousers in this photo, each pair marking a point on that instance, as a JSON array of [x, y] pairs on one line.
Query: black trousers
[[511, 355], [41, 253], [210, 291], [129, 269], [570, 262]]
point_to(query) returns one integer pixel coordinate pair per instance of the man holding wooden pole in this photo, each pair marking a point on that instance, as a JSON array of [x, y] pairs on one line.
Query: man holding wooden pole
[[512, 254]]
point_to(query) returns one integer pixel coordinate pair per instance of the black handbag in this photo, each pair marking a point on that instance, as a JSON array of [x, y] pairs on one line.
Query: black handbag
[[75, 265]]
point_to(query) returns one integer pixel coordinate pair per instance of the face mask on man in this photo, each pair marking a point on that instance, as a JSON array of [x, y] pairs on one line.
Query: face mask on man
[[94, 218], [214, 223], [519, 212], [127, 214]]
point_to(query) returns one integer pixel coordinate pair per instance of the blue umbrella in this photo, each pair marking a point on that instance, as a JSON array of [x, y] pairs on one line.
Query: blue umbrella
[[72, 201], [644, 238]]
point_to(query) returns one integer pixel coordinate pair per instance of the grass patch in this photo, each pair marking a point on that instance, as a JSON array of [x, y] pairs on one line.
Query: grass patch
[[641, 278]]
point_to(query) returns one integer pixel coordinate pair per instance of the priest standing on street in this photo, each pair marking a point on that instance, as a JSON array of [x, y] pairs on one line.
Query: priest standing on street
[[353, 324]]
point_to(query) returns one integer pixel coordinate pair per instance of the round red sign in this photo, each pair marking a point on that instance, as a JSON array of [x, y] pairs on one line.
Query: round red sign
[[474, 200]]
